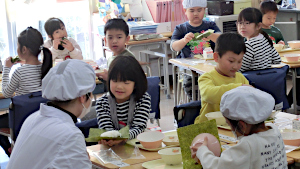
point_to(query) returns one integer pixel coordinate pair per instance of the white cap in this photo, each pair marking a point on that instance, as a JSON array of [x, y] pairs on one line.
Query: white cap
[[68, 80], [194, 3], [247, 104]]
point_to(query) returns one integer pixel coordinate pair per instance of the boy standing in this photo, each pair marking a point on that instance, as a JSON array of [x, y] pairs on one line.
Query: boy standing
[[269, 10], [214, 84], [184, 33], [116, 36]]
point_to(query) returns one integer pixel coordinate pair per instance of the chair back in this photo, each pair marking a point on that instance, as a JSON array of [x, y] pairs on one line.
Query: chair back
[[272, 81], [191, 111], [23, 106], [154, 91]]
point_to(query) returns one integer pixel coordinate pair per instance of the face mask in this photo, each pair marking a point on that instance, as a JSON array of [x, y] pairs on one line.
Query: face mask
[[85, 110]]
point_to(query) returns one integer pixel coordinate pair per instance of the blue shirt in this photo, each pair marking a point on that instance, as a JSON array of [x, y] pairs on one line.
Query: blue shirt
[[182, 29]]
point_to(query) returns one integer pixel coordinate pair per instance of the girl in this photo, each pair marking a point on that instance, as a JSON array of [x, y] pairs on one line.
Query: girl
[[61, 46], [260, 146], [127, 102], [27, 78], [260, 53]]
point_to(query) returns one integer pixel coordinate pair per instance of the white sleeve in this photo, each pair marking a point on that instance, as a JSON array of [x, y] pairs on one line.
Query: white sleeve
[[76, 53], [55, 52], [235, 157], [73, 154]]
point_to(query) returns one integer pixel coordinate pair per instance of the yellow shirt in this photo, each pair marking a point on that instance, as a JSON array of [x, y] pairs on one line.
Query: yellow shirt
[[212, 86]]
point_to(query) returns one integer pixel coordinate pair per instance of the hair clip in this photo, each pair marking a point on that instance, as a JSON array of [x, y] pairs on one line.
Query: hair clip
[[41, 47]]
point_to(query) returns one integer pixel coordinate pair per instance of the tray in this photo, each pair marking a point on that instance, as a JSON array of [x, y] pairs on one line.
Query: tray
[[160, 164], [287, 50]]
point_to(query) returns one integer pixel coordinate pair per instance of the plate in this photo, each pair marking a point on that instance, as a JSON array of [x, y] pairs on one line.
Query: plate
[[160, 164], [226, 127], [283, 59]]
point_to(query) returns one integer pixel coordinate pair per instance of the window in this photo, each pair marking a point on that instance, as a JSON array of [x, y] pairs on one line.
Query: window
[[4, 47]]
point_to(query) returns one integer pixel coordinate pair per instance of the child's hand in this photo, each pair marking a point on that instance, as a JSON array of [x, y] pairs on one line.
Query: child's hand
[[110, 142], [281, 42], [188, 37], [56, 42], [195, 148], [103, 75], [8, 62], [68, 45]]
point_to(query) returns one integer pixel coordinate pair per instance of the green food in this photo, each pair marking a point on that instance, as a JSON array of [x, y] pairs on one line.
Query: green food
[[187, 134], [203, 35], [15, 59], [63, 38], [94, 135]]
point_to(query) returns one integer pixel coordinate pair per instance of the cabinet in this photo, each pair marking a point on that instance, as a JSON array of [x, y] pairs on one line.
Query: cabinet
[[288, 21]]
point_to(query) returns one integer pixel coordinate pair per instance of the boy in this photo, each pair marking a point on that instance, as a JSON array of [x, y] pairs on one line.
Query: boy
[[60, 45], [116, 36], [269, 10], [184, 33], [214, 84]]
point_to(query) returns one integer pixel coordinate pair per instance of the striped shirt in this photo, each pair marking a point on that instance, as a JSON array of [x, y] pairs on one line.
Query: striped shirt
[[259, 54], [25, 79], [140, 117]]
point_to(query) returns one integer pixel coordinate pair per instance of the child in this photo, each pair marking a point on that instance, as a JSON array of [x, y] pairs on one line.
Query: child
[[27, 78], [269, 10], [116, 36], [260, 145], [61, 46], [260, 53], [184, 33], [214, 84], [127, 102]]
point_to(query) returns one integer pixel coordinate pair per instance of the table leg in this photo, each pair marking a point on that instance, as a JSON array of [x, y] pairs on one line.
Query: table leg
[[294, 78], [174, 84], [166, 62]]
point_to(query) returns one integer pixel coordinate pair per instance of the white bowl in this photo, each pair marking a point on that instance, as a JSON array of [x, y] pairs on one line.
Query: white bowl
[[171, 156], [292, 57], [151, 139], [295, 44], [171, 140], [291, 138], [220, 119], [278, 47]]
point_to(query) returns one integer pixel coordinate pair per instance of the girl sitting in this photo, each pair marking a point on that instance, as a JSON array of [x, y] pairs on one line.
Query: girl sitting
[[260, 145], [127, 102], [260, 53]]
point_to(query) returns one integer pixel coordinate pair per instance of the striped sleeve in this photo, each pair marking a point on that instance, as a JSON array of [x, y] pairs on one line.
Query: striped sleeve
[[10, 86], [248, 57], [141, 116], [276, 59], [103, 114]]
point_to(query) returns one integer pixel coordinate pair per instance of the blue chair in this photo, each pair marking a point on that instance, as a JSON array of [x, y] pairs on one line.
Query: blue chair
[[153, 91], [23, 106], [190, 111], [272, 81]]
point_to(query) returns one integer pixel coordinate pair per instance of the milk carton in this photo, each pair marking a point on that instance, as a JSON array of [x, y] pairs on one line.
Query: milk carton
[[208, 53]]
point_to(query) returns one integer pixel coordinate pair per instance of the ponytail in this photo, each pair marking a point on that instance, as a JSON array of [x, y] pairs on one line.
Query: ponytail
[[266, 36], [47, 62]]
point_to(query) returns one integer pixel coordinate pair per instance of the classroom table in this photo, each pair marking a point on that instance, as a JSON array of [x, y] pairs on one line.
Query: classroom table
[[293, 69]]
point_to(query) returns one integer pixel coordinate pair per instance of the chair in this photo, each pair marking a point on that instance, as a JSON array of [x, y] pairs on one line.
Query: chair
[[22, 106], [188, 115], [153, 91], [4, 106], [272, 81]]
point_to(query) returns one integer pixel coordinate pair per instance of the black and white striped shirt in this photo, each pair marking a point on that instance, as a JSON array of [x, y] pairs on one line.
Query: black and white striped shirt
[[259, 54], [140, 117], [25, 79]]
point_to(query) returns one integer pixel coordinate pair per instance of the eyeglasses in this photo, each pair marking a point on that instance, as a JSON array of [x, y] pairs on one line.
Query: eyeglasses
[[243, 23]]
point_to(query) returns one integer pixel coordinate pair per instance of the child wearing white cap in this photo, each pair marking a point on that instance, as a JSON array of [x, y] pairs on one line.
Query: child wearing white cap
[[49, 138], [183, 33], [260, 145]]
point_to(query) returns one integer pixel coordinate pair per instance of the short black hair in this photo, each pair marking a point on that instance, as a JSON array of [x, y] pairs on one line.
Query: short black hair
[[52, 24], [118, 24], [124, 68], [230, 41], [268, 6]]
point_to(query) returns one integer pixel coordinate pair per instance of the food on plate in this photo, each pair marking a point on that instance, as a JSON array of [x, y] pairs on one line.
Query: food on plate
[[112, 133], [15, 59]]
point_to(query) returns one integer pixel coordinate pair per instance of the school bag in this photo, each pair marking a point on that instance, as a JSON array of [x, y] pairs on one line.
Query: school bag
[[272, 81]]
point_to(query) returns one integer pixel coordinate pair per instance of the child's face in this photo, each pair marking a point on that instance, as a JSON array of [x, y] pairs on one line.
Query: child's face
[[116, 39], [60, 33], [121, 90], [229, 63], [195, 14], [247, 29], [269, 18]]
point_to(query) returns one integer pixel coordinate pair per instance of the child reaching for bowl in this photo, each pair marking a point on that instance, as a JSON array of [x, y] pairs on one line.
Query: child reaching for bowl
[[126, 102], [260, 145]]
